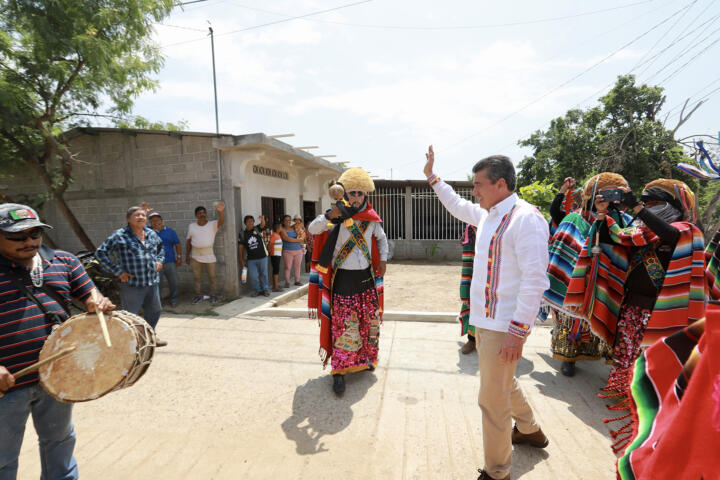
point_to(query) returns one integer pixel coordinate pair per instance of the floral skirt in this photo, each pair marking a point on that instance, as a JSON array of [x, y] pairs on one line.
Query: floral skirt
[[632, 322], [355, 331], [573, 340]]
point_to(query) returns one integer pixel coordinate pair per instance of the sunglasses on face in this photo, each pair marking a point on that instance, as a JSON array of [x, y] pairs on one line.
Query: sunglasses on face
[[356, 194], [22, 236]]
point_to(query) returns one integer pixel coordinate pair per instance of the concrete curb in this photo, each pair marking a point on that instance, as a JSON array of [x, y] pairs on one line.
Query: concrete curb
[[441, 317], [268, 310], [281, 300]]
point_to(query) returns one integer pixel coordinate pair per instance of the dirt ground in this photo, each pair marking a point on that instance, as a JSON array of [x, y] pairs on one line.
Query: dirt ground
[[414, 286]]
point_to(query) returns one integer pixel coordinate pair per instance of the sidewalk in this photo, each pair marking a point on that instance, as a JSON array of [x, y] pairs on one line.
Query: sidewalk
[[246, 398]]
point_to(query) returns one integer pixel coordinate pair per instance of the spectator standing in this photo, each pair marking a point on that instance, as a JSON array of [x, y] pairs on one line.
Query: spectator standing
[[292, 251], [173, 256], [140, 254], [251, 242], [199, 250], [276, 244]]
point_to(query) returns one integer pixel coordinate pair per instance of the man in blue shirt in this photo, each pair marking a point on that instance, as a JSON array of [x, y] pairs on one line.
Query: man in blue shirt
[[173, 256], [54, 278], [140, 254]]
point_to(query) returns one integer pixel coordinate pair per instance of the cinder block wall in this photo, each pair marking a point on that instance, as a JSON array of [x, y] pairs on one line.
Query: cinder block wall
[[115, 171], [429, 250]]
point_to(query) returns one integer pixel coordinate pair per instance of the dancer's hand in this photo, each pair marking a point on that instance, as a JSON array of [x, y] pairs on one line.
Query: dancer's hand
[[430, 156], [511, 349], [568, 183], [381, 268]]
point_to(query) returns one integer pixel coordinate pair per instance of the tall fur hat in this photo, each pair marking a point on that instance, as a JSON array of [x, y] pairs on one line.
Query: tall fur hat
[[600, 182], [357, 179], [681, 193]]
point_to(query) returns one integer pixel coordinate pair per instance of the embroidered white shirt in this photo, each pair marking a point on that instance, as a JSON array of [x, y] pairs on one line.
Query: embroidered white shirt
[[521, 264], [356, 260]]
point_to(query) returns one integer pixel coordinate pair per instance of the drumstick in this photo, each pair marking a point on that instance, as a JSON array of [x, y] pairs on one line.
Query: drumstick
[[51, 358], [101, 317]]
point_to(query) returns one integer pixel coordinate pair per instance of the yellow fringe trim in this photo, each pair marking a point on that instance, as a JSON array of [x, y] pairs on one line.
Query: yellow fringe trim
[[359, 368], [321, 269]]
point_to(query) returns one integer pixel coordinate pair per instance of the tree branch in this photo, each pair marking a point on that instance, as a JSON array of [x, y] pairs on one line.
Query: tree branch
[[686, 117]]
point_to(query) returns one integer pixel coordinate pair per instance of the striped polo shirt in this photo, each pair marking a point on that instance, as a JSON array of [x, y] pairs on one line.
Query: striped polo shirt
[[23, 326]]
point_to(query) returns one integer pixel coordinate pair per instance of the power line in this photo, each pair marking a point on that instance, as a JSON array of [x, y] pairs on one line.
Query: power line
[[273, 23], [684, 51], [180, 27], [456, 27], [684, 65], [679, 36], [575, 77]]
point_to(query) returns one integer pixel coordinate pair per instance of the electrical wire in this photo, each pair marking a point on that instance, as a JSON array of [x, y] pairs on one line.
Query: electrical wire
[[319, 12], [456, 27], [575, 77]]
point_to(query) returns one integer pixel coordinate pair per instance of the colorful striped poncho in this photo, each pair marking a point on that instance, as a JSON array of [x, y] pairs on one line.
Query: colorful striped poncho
[[712, 271], [597, 287], [321, 284], [675, 429], [468, 258]]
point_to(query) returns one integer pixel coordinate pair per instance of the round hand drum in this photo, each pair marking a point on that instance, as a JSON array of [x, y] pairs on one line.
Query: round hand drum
[[94, 369]]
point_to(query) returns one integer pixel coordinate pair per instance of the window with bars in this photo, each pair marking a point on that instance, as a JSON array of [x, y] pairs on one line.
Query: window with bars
[[429, 220]]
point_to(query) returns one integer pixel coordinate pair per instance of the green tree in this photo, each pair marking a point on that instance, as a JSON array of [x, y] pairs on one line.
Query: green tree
[[62, 58], [540, 194], [622, 135]]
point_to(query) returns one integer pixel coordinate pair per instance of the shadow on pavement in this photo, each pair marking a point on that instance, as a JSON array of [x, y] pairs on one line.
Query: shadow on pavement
[[467, 364], [579, 392], [317, 411], [525, 458]]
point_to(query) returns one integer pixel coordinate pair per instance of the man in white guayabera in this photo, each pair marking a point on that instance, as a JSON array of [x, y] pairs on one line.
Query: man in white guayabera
[[199, 248], [509, 278]]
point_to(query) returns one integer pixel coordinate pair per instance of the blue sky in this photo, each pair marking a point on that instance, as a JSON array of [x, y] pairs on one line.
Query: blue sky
[[375, 83]]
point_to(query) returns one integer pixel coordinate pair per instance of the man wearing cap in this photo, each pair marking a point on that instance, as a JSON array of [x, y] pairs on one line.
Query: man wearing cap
[[140, 253], [54, 277], [173, 256]]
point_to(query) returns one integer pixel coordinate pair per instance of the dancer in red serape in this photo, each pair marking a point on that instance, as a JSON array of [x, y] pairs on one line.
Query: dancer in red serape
[[346, 293], [640, 283]]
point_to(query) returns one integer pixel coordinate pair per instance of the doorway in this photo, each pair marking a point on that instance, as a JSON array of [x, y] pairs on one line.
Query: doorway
[[309, 211], [273, 209]]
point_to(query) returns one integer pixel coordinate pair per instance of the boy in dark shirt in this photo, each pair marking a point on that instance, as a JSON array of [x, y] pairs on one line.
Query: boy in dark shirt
[[251, 242]]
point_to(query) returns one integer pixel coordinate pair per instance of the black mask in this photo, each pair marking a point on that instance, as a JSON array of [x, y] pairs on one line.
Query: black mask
[[666, 212]]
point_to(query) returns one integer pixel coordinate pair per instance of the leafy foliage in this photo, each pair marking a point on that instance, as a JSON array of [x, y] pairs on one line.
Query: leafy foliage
[[62, 58], [540, 194], [621, 135]]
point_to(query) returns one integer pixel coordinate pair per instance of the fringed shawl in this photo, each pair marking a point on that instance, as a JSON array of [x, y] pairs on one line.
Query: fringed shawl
[[597, 287], [712, 272], [468, 258], [565, 248], [675, 430], [320, 286]]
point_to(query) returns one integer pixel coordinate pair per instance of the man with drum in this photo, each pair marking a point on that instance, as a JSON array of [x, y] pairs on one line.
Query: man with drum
[[140, 252], [53, 278]]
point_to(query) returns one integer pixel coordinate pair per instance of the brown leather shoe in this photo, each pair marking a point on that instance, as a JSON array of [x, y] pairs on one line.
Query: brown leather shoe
[[161, 343], [535, 439], [485, 476], [469, 347]]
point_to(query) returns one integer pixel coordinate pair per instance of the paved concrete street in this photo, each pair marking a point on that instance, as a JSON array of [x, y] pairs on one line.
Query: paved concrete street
[[246, 398]]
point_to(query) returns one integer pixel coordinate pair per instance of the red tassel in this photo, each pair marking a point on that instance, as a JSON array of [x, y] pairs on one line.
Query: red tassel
[[616, 419]]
